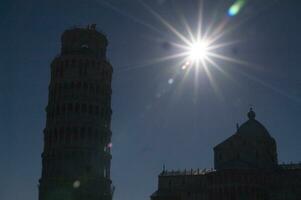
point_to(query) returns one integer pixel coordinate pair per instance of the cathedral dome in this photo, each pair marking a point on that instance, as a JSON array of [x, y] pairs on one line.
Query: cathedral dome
[[250, 147], [252, 127]]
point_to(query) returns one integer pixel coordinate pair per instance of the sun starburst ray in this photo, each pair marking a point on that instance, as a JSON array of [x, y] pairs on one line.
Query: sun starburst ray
[[188, 29], [211, 80], [129, 16], [165, 23], [220, 69], [200, 21], [222, 45], [153, 61], [230, 59]]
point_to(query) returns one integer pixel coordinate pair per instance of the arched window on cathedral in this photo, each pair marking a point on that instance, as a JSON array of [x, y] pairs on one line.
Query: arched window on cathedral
[[98, 88], [72, 85], [91, 88], [90, 109], [84, 108], [82, 133], [70, 107], [85, 72], [106, 124], [68, 132], [61, 70], [68, 138], [55, 87], [75, 134], [63, 108], [77, 107], [61, 138], [52, 73], [80, 67], [49, 140], [62, 130], [85, 86], [73, 62], [56, 71], [80, 70], [66, 85], [66, 63], [78, 85], [52, 114], [55, 135], [48, 113], [95, 138], [59, 89], [57, 110]]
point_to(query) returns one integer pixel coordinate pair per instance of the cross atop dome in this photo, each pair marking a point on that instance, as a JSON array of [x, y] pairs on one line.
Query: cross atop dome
[[251, 113]]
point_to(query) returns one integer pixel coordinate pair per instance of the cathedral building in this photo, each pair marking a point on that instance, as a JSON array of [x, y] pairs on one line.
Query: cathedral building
[[77, 137], [246, 168]]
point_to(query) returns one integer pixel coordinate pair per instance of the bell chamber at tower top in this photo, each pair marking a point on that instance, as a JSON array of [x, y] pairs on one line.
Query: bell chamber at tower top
[[84, 41]]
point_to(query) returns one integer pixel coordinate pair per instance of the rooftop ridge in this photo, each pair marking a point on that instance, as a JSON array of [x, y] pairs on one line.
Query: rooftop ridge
[[187, 172], [290, 165]]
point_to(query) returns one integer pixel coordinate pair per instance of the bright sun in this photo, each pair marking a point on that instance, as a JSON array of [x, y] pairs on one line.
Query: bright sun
[[198, 51]]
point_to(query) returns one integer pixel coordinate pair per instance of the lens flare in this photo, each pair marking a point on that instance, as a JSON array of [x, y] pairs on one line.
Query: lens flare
[[170, 81], [76, 184], [236, 7]]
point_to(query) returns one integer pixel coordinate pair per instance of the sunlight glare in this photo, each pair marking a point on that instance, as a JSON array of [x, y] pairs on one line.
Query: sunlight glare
[[198, 51]]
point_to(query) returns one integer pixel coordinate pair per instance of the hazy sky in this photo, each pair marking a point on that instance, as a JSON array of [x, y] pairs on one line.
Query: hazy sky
[[155, 120]]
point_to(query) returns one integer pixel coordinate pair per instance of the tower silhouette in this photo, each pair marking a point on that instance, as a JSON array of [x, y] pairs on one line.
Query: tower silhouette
[[77, 137]]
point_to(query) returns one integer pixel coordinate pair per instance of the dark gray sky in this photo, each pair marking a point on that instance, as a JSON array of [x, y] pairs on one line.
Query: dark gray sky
[[154, 122]]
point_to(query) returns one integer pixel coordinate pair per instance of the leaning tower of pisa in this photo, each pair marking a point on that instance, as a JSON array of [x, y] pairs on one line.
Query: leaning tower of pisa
[[77, 137]]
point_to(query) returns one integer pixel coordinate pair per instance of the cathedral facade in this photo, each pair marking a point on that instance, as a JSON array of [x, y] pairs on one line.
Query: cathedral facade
[[246, 168], [77, 137]]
